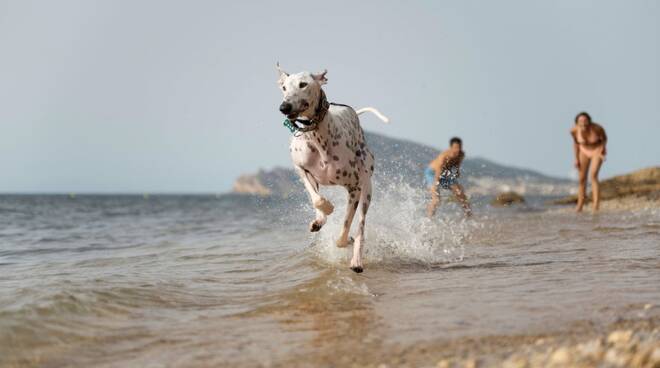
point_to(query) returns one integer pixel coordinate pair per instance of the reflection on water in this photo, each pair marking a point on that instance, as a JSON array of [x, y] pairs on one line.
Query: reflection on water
[[205, 281]]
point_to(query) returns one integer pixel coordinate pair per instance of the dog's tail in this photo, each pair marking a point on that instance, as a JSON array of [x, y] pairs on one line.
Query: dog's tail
[[375, 112]]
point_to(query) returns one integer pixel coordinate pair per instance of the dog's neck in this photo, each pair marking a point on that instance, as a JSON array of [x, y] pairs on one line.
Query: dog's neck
[[321, 109], [312, 123]]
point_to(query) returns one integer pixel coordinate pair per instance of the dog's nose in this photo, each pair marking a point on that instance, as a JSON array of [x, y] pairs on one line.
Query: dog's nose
[[286, 108]]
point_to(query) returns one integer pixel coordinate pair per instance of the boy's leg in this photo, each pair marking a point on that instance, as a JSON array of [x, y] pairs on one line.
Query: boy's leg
[[432, 185], [435, 201], [458, 191]]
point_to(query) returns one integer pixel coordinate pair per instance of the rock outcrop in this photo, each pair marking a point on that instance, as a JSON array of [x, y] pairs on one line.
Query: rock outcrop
[[507, 199], [278, 181], [643, 183]]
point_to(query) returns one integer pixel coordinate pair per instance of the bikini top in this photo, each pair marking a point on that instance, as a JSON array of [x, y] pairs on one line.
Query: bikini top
[[581, 141]]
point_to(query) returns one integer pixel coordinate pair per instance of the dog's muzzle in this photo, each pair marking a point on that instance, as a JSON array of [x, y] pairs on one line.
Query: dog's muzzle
[[286, 108]]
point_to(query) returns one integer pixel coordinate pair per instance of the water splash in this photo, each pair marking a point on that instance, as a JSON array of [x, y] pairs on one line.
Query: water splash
[[397, 230]]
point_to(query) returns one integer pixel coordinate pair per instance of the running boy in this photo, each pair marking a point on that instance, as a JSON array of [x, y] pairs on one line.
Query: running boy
[[444, 172]]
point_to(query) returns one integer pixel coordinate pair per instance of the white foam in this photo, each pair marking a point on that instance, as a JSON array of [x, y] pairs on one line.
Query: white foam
[[397, 229]]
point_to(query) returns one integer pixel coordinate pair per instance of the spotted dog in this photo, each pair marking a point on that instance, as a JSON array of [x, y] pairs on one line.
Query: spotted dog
[[328, 148]]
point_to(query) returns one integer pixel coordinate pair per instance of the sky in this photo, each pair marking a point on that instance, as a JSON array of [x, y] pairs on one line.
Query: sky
[[181, 96]]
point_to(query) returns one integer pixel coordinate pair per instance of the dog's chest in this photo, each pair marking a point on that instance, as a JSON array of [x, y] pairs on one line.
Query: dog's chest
[[334, 154]]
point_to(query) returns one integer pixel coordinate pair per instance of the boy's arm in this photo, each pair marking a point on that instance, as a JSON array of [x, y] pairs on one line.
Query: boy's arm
[[441, 158]]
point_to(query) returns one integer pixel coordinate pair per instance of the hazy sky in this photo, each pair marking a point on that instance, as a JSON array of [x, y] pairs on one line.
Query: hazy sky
[[165, 96]]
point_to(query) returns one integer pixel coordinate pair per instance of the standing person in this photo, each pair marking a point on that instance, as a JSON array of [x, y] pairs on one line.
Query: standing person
[[589, 145], [444, 172]]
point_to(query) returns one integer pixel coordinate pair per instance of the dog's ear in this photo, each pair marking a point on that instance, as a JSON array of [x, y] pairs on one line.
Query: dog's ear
[[320, 77], [281, 74]]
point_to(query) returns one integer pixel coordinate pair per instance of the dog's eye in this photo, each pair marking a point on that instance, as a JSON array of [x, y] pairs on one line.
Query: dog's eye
[[283, 88], [302, 85]]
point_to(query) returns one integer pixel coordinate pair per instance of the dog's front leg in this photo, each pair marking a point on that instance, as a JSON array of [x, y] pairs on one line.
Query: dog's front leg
[[322, 206], [351, 207]]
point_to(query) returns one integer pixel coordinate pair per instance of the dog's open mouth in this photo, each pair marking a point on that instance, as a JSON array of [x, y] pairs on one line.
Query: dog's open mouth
[[292, 115]]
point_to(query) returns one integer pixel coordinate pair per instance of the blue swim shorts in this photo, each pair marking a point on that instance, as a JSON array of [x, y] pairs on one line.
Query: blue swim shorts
[[447, 178]]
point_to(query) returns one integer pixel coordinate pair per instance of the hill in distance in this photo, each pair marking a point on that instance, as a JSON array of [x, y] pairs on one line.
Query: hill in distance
[[403, 161]]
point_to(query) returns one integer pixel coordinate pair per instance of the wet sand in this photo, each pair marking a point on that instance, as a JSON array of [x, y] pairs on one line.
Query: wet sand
[[625, 343]]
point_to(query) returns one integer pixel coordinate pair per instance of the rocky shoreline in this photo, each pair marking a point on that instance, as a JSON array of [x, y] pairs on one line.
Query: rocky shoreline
[[642, 184]]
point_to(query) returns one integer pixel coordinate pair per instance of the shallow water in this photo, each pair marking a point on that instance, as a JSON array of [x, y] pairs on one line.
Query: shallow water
[[238, 281]]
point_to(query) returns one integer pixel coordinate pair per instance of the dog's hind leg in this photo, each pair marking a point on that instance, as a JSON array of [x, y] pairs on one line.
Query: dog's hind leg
[[365, 200], [322, 206], [351, 207]]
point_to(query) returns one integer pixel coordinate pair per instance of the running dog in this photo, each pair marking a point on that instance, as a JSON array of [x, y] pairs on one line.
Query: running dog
[[328, 148]]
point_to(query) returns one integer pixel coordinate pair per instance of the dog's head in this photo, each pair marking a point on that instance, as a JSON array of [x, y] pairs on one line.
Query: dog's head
[[301, 92]]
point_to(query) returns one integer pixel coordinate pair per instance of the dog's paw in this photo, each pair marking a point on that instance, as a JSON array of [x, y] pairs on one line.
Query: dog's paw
[[357, 269], [344, 243], [315, 226], [356, 265], [324, 206]]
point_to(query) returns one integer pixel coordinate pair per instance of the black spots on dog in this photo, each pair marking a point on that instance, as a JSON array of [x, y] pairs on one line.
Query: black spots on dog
[[311, 148], [357, 177], [332, 182], [362, 145], [355, 205], [352, 194], [352, 188], [352, 163], [372, 168], [358, 153], [344, 173], [335, 158], [369, 197], [337, 171], [337, 177], [365, 207]]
